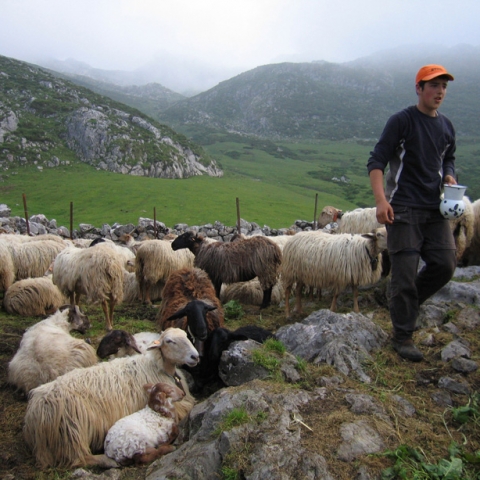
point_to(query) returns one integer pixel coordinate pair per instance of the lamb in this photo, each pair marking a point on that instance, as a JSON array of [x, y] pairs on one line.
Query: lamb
[[47, 350], [154, 262], [320, 260], [189, 302], [238, 261], [471, 255], [33, 297], [96, 272], [145, 435], [66, 420], [120, 343]]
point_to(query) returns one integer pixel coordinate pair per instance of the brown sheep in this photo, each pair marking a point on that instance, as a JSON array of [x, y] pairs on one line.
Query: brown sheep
[[238, 261]]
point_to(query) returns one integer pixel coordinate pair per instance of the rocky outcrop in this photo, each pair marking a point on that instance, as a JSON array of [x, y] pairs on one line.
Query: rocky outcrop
[[41, 116]]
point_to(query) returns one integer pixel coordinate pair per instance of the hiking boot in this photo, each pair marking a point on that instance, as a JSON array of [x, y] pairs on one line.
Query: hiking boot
[[407, 349]]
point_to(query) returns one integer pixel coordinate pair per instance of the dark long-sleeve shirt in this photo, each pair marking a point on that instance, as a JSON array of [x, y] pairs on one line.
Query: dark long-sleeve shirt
[[420, 151]]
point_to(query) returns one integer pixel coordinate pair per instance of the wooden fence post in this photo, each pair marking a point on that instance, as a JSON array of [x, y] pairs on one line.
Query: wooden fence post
[[238, 216], [26, 213]]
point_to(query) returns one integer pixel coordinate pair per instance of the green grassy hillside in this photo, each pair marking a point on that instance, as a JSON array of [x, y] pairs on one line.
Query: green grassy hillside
[[276, 183]]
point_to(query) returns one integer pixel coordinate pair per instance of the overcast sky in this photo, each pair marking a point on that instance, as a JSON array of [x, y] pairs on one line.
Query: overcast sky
[[125, 34]]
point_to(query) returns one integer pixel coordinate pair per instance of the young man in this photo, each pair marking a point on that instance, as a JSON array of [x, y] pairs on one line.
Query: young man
[[418, 144]]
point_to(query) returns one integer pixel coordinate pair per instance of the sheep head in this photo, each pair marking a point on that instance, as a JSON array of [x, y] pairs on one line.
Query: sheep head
[[188, 240], [176, 349], [114, 340], [78, 321]]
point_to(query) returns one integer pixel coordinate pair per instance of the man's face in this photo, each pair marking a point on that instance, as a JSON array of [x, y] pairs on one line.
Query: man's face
[[432, 94]]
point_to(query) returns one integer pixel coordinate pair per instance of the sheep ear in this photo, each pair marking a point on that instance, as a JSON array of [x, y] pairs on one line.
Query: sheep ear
[[369, 235], [178, 314], [209, 308], [148, 387], [64, 307]]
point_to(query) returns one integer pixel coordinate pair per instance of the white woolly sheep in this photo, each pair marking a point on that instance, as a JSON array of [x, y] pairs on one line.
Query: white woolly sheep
[[96, 272], [47, 350], [33, 297], [66, 420], [471, 255], [32, 259], [250, 293], [120, 343], [124, 252], [463, 228], [14, 238], [7, 273], [321, 260], [360, 220], [238, 261], [154, 262], [145, 435]]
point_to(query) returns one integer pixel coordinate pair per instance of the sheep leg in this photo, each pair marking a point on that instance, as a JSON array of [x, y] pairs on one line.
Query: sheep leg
[[151, 453], [298, 297], [333, 306], [288, 291], [101, 461], [356, 309], [267, 298], [108, 322]]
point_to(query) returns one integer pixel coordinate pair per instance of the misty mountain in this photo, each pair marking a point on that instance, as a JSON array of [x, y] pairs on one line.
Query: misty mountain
[[48, 121], [186, 76], [331, 101]]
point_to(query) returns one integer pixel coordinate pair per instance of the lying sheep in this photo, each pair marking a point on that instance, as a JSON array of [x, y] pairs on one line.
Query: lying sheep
[[33, 297], [238, 261], [120, 343], [96, 272], [321, 260], [189, 302], [47, 350], [155, 261], [145, 435], [66, 420]]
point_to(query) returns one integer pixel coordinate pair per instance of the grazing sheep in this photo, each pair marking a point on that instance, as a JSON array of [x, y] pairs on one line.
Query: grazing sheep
[[471, 255], [95, 272], [154, 262], [320, 260], [360, 220], [47, 350], [120, 343], [463, 228], [33, 297], [145, 435], [66, 420], [238, 261], [189, 302]]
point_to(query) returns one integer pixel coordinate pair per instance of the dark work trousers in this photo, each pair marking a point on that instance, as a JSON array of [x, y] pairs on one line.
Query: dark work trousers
[[417, 233]]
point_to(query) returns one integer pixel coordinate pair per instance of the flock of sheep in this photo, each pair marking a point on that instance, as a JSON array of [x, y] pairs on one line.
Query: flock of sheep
[[90, 406]]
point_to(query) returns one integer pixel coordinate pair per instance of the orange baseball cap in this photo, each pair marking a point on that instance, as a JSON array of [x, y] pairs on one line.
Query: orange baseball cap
[[428, 72]]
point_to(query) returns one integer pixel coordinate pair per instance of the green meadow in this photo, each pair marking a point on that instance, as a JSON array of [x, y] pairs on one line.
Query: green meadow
[[276, 183]]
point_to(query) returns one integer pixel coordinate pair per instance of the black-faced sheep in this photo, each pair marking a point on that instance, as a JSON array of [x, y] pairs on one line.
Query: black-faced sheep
[[145, 435], [95, 272], [120, 343], [321, 260], [238, 261], [66, 420], [33, 297], [189, 302], [154, 262], [47, 350]]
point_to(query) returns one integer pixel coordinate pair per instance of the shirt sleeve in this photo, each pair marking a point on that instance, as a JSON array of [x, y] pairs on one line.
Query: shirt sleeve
[[385, 148]]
